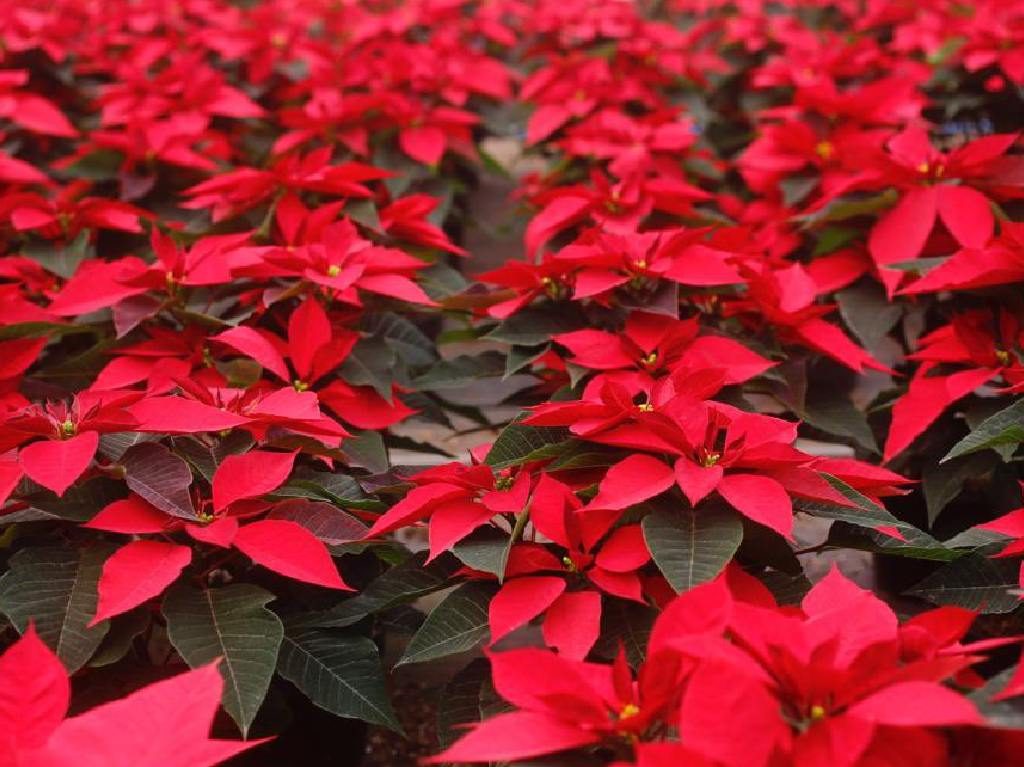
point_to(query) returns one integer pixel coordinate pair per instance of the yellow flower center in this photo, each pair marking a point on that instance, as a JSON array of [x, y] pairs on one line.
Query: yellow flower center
[[645, 407], [1003, 356], [333, 270], [300, 385], [825, 150], [650, 359], [68, 428], [818, 712], [710, 460], [569, 564], [629, 711]]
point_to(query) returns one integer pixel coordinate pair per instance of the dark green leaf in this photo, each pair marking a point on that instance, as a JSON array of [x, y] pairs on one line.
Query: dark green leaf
[[371, 363], [162, 478], [972, 581], [339, 672], [867, 312], [407, 340], [626, 625], [60, 258], [460, 702], [231, 623], [365, 449], [460, 371], [535, 325], [485, 549], [401, 584], [866, 513], [327, 522], [1004, 428], [518, 443], [942, 484], [55, 588], [690, 546], [459, 623]]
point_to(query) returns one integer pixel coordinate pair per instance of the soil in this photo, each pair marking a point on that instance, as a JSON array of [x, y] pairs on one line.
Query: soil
[[417, 711]]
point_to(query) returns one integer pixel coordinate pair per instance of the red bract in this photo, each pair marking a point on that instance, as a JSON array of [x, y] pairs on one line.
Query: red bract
[[72, 435], [654, 344], [595, 555], [165, 724], [981, 344], [935, 185]]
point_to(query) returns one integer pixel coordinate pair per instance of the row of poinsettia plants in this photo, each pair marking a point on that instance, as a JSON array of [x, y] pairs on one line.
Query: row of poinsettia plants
[[234, 270]]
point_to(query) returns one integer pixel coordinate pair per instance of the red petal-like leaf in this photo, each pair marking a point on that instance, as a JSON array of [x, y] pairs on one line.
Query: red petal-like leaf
[[136, 572], [424, 143], [967, 214], [917, 704], [309, 329], [696, 481], [924, 402], [132, 516], [521, 600], [761, 499], [573, 623], [289, 549], [633, 481], [247, 341], [178, 415], [249, 475], [163, 725], [34, 694], [900, 234], [513, 736], [56, 464], [451, 522]]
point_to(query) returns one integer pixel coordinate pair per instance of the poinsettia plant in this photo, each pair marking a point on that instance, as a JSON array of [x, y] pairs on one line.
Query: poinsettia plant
[[276, 407]]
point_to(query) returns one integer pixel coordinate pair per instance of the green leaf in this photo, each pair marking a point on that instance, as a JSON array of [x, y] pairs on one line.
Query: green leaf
[[535, 325], [459, 623], [339, 672], [795, 189], [401, 584], [519, 357], [834, 413], [843, 208], [627, 625], [942, 484], [867, 514], [340, 489], [460, 371], [40, 329], [231, 623], [365, 449], [55, 588], [974, 582], [59, 258], [867, 312], [407, 340], [371, 363], [325, 520], [118, 641], [485, 549], [461, 702], [161, 477], [690, 546], [1004, 428], [518, 443]]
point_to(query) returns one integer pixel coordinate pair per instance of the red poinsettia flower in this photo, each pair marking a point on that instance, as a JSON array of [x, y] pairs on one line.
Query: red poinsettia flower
[[982, 346], [165, 724], [933, 186], [71, 433]]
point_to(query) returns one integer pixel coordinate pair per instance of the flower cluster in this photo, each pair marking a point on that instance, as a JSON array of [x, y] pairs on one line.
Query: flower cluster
[[767, 307]]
